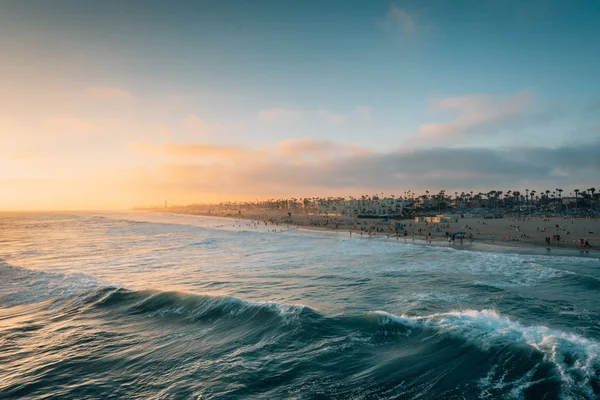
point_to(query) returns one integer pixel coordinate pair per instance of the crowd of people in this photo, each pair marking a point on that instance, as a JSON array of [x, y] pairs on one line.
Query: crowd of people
[[545, 232]]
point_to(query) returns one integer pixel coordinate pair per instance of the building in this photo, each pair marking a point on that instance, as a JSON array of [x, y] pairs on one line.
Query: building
[[386, 207]]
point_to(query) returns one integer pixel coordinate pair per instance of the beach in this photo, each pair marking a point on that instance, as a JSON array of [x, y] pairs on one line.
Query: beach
[[525, 234]]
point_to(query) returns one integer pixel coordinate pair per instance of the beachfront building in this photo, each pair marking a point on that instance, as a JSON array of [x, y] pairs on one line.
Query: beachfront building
[[430, 202], [363, 207]]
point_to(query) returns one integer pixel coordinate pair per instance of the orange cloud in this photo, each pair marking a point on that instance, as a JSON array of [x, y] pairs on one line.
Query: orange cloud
[[191, 150], [470, 167], [294, 150]]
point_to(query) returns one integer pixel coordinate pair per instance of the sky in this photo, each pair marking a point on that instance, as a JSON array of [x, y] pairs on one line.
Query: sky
[[113, 104]]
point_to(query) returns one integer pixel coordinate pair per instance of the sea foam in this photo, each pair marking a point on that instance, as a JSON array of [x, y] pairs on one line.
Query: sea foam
[[575, 358]]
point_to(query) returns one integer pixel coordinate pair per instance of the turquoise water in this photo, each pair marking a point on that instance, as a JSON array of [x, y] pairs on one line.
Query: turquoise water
[[153, 306]]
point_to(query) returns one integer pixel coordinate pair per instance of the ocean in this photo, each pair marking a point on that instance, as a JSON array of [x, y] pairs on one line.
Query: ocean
[[161, 306]]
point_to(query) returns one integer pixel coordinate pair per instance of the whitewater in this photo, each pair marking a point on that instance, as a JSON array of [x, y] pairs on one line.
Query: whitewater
[[162, 306]]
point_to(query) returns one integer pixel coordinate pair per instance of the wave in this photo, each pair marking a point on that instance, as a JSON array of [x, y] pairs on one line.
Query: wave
[[509, 357], [576, 358], [211, 241], [26, 286], [195, 307], [573, 359], [483, 328], [100, 219]]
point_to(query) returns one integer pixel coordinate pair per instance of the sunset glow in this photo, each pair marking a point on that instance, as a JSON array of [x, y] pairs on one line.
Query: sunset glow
[[299, 199], [107, 105]]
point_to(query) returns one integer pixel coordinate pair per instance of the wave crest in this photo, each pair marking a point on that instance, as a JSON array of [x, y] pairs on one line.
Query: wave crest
[[575, 358], [202, 307]]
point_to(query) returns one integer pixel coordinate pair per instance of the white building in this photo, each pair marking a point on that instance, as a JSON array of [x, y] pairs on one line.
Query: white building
[[355, 207]]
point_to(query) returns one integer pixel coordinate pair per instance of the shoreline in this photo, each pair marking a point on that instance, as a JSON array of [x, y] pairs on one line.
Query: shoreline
[[478, 246], [475, 244]]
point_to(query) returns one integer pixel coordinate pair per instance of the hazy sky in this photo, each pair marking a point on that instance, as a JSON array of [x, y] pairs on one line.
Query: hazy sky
[[108, 104]]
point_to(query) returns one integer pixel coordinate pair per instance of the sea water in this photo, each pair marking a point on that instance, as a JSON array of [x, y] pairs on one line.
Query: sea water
[[160, 306]]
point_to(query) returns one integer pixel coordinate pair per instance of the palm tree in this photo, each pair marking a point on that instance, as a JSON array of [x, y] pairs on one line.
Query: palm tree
[[560, 196], [576, 192], [441, 198], [491, 195], [592, 190]]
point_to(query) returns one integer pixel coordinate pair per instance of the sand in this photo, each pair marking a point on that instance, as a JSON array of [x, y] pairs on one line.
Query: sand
[[520, 235]]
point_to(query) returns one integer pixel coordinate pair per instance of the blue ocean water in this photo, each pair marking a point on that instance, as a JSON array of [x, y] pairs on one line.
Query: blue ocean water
[[160, 306]]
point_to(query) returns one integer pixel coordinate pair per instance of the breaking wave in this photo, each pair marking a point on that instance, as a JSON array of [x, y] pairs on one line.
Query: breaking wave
[[371, 352]]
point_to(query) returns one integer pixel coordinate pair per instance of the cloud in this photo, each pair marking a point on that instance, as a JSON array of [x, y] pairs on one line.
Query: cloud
[[279, 114], [68, 125], [108, 93], [295, 146], [194, 150], [331, 117], [404, 20], [293, 151], [399, 21], [477, 113], [197, 125], [308, 150], [312, 166]]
